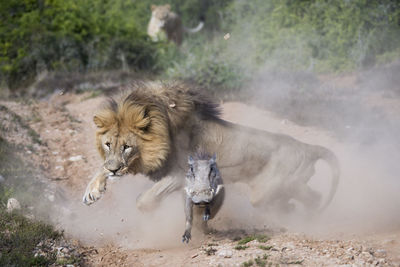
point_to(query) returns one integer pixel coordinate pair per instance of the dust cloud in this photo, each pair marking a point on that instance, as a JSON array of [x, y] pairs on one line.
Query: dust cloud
[[366, 145], [115, 220], [360, 124]]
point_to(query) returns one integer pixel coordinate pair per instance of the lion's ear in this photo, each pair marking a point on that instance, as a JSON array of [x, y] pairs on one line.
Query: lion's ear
[[168, 6], [99, 122], [153, 7]]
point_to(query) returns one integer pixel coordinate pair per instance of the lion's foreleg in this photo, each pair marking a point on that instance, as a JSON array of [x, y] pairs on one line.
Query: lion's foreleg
[[95, 188], [152, 197]]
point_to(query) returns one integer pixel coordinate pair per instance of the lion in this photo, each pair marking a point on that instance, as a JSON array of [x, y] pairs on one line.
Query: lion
[[163, 20], [153, 128]]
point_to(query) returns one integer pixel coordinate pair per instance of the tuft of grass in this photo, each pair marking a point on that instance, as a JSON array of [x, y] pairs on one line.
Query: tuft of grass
[[246, 240], [262, 262], [265, 247], [248, 263], [259, 238], [299, 262], [262, 238], [240, 247]]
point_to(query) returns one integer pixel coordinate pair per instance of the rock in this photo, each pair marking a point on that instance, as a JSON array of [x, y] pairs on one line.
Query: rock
[[380, 253], [13, 204], [50, 197], [75, 158], [225, 253]]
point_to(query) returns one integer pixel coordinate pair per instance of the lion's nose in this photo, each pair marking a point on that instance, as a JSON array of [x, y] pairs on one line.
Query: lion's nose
[[114, 170]]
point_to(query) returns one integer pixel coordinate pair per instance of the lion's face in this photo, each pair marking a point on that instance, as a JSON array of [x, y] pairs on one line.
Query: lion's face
[[120, 151], [161, 13], [132, 136]]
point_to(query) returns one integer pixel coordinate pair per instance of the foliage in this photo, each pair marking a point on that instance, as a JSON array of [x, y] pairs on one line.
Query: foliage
[[70, 35], [321, 36]]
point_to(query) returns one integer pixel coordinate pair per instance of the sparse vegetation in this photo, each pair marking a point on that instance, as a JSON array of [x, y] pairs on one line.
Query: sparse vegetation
[[19, 237], [265, 247], [259, 238], [262, 262], [241, 247], [248, 263], [246, 240], [296, 262]]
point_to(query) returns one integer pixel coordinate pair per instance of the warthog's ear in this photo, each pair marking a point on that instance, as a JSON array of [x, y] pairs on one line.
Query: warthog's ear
[[190, 160], [213, 159]]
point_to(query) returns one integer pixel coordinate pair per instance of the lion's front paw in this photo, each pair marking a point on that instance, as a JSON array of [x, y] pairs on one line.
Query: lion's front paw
[[94, 190]]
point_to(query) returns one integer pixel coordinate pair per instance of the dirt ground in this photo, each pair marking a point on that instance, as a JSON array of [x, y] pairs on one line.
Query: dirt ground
[[68, 156]]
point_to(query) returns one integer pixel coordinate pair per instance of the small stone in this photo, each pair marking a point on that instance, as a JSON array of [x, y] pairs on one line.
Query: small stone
[[380, 253], [51, 198], [13, 204], [225, 253], [75, 158]]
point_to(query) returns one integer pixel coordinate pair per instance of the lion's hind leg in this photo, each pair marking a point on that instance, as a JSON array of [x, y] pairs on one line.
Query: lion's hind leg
[[266, 186], [310, 198]]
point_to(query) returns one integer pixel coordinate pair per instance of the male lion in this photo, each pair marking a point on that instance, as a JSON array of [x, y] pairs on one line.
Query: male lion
[[156, 126], [164, 20]]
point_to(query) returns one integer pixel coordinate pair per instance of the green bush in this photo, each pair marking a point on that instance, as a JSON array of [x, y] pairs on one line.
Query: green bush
[[70, 35]]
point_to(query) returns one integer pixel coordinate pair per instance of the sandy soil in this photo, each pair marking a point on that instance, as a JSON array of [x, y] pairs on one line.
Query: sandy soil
[[346, 235]]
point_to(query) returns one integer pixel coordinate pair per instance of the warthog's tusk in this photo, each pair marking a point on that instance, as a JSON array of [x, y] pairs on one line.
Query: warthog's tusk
[[219, 187]]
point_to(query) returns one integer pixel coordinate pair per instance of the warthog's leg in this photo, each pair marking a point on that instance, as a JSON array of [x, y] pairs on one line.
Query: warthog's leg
[[95, 188], [151, 198], [189, 219], [206, 215]]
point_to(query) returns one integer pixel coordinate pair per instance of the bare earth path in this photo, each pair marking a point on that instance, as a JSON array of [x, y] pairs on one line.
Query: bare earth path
[[354, 230]]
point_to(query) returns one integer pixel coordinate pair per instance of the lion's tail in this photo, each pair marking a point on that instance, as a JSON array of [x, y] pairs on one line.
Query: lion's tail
[[331, 159]]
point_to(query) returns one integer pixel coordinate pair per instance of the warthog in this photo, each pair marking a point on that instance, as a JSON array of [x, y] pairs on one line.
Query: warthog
[[203, 189]]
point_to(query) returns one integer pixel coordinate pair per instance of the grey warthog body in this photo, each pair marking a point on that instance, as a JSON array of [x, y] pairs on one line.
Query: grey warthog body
[[203, 189]]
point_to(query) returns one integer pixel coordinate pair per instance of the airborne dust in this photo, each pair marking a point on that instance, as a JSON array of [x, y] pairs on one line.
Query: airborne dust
[[364, 137], [353, 115]]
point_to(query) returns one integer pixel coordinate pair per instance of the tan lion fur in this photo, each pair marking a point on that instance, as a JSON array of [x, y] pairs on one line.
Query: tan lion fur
[[162, 123]]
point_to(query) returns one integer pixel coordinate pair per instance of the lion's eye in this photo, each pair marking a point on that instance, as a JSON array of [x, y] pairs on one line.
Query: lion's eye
[[108, 144], [126, 147]]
